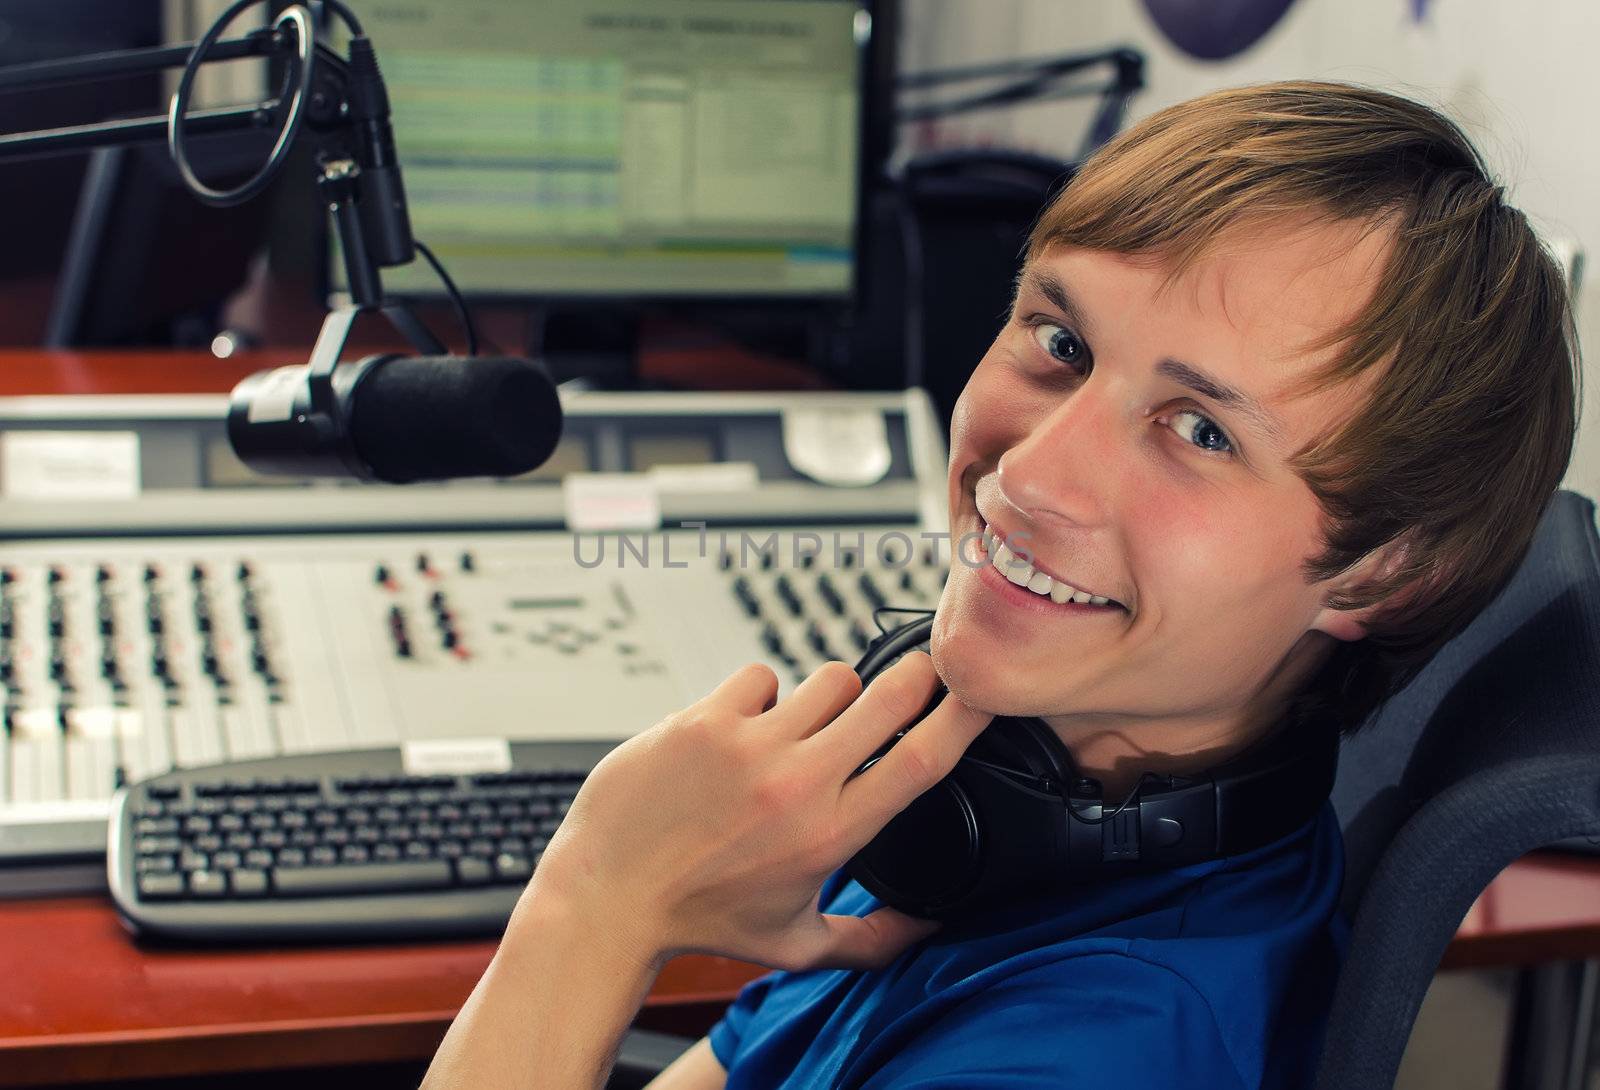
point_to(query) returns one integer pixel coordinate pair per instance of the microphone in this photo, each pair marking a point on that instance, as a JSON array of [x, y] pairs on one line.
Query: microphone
[[399, 419]]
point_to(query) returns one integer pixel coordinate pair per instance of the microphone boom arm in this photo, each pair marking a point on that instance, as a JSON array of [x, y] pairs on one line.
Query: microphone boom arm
[[344, 104]]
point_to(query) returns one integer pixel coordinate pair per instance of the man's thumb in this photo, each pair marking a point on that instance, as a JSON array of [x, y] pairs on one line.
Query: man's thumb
[[871, 941]]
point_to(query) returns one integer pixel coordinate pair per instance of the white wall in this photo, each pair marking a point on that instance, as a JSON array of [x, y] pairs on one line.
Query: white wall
[[1520, 77]]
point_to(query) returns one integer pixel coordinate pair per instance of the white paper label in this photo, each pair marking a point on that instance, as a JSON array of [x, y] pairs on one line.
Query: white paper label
[[611, 501], [455, 756], [69, 465], [49, 813], [844, 447], [273, 398], [716, 477]]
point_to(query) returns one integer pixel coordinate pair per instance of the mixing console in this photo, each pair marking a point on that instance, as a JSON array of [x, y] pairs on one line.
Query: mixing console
[[125, 654]]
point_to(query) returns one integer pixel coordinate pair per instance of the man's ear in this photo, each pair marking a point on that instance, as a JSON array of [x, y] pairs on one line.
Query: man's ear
[[1380, 564]]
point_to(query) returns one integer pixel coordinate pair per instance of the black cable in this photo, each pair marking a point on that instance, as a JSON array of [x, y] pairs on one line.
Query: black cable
[[1126, 802], [299, 75], [348, 16], [455, 297], [897, 609]]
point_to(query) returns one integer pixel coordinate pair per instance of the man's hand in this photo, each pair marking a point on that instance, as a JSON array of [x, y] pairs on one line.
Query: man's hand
[[713, 831]]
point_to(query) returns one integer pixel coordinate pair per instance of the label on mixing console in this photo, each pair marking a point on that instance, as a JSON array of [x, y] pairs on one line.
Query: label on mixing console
[[455, 756], [611, 501], [69, 465], [715, 477]]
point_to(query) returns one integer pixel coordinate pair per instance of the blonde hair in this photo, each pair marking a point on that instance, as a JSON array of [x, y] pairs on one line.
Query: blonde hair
[[1469, 424]]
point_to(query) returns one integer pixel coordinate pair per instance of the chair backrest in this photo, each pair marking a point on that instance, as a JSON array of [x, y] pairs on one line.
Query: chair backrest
[[1491, 752]]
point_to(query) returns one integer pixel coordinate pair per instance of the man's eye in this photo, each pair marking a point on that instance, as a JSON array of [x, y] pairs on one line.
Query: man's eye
[[1201, 431], [1063, 345]]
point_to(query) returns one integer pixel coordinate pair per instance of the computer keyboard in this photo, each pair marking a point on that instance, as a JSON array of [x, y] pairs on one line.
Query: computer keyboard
[[336, 846]]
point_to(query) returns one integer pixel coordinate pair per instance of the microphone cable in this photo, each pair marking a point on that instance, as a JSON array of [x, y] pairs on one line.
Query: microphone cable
[[460, 304]]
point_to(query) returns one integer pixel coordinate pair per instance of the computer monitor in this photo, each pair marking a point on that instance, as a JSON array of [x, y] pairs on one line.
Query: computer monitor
[[644, 149]]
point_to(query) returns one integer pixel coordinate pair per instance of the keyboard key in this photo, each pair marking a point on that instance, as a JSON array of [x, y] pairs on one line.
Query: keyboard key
[[473, 872], [249, 883], [362, 879], [208, 883], [510, 867], [159, 887]]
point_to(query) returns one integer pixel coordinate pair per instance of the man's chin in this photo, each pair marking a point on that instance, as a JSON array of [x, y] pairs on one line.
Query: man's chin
[[983, 685]]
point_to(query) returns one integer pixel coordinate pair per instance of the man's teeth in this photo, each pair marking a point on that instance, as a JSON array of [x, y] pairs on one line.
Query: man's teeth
[[1022, 573]]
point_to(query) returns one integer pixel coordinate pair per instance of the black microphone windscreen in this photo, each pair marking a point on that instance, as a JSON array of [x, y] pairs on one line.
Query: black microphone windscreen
[[434, 417]]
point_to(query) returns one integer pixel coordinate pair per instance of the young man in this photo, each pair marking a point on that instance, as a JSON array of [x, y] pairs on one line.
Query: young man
[[1285, 389]]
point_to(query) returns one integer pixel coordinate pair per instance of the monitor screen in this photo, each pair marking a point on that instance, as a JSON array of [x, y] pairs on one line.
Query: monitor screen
[[595, 148]]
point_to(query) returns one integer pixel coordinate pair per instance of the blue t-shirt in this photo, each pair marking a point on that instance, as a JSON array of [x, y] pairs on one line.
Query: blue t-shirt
[[1216, 975]]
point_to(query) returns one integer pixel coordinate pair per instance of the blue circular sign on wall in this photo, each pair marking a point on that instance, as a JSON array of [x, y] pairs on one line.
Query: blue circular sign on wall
[[1214, 30]]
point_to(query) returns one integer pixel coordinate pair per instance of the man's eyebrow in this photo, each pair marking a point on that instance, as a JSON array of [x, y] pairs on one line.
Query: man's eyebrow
[[1206, 386], [1055, 291]]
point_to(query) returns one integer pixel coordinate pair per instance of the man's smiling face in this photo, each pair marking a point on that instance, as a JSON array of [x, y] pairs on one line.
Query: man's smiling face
[[1131, 439]]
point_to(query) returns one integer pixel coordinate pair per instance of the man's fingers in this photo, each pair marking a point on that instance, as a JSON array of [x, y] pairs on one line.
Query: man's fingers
[[817, 700], [893, 701], [749, 690], [914, 764]]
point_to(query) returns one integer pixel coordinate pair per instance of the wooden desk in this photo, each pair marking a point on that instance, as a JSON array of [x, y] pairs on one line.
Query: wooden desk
[[1545, 907], [674, 359], [80, 1001]]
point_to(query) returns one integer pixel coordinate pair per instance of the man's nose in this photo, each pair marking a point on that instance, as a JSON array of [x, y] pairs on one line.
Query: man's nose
[[1067, 465]]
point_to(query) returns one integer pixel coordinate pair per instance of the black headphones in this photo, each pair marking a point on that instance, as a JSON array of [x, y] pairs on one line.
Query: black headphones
[[1015, 817]]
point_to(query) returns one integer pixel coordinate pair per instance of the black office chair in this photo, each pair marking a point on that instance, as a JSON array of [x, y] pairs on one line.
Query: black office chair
[[1492, 751]]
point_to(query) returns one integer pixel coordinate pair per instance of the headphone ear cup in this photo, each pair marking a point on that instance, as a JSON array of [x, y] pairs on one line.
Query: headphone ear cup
[[1028, 745]]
